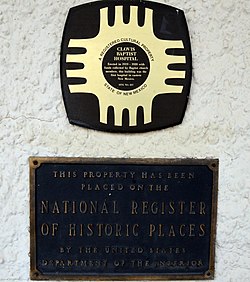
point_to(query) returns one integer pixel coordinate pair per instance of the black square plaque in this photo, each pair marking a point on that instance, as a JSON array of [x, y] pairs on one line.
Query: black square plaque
[[122, 219], [126, 66]]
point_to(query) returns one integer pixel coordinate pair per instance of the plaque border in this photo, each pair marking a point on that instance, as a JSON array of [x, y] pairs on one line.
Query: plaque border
[[35, 162], [69, 103]]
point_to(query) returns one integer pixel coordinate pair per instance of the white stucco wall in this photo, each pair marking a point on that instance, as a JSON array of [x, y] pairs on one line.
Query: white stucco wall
[[216, 123]]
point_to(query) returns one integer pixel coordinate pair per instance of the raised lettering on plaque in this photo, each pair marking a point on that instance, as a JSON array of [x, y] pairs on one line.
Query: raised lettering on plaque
[[122, 218]]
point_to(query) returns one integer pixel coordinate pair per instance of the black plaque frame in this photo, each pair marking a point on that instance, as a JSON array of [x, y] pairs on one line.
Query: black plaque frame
[[36, 162], [83, 108]]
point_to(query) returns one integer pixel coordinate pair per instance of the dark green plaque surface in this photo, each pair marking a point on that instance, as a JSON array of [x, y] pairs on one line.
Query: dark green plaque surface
[[126, 219]]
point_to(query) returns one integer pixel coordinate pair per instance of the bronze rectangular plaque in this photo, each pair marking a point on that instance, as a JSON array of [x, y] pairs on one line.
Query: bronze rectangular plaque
[[122, 219]]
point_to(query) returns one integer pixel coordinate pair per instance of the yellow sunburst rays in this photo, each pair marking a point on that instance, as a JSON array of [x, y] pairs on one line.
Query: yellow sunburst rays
[[96, 83]]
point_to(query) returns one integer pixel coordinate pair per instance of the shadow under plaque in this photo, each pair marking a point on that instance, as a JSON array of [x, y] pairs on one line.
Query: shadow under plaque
[[122, 219]]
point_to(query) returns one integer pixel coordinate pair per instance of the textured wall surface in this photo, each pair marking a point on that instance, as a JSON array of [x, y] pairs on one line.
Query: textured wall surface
[[216, 124]]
